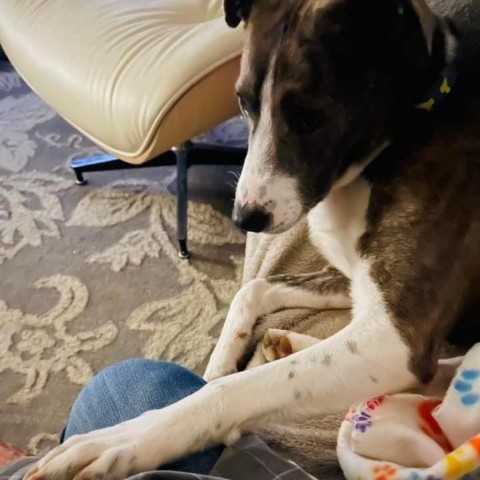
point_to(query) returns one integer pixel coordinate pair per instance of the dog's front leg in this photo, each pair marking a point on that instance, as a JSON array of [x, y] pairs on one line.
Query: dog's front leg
[[366, 359], [323, 290]]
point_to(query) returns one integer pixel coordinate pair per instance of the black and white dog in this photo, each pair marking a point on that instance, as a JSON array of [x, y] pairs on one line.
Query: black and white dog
[[341, 99]]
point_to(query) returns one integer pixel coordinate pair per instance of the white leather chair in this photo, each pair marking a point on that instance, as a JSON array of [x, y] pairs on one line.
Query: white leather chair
[[137, 77]]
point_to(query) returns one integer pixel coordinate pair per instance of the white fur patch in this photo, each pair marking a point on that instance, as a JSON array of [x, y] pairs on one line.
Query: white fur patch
[[427, 21], [355, 170], [337, 223], [451, 47]]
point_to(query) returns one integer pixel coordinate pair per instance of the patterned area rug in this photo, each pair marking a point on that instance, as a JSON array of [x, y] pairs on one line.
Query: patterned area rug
[[89, 275]]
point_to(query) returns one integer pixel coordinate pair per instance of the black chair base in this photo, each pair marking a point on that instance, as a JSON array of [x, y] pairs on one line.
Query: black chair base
[[183, 157]]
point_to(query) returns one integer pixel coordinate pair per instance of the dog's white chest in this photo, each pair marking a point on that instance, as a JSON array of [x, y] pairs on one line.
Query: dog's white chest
[[337, 223]]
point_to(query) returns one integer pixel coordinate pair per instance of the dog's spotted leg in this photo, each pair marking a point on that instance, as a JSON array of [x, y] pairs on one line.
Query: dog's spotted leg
[[282, 343], [327, 289], [366, 359]]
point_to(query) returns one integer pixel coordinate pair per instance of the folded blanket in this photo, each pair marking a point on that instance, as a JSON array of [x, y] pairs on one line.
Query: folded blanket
[[417, 437]]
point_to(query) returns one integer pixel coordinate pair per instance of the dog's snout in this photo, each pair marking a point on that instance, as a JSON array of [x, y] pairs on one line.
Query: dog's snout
[[252, 218]]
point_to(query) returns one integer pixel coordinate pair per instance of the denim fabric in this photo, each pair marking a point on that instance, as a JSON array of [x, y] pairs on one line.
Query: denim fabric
[[130, 388]]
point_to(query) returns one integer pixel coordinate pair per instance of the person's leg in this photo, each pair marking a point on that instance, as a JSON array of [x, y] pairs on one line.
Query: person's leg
[[130, 388]]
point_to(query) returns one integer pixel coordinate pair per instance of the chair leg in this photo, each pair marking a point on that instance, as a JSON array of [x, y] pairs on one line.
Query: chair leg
[[183, 156], [79, 179], [107, 163], [182, 198]]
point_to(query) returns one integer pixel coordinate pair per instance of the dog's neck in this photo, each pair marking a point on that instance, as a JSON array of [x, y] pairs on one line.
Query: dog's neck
[[353, 172], [442, 45]]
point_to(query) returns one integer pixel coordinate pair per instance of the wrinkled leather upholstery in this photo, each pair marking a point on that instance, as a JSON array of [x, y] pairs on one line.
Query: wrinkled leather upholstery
[[135, 76]]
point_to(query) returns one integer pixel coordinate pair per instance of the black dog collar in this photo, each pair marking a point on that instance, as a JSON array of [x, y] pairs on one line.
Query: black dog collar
[[440, 90]]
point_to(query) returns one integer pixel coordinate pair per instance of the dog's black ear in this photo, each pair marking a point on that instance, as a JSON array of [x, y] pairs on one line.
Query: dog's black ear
[[236, 11]]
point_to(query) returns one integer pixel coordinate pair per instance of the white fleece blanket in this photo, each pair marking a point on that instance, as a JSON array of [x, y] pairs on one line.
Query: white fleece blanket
[[418, 437]]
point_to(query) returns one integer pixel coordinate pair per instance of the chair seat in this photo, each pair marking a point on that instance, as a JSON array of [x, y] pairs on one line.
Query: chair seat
[[135, 76]]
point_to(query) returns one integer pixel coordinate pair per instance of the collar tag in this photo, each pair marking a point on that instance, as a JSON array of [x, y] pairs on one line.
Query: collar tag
[[439, 91]]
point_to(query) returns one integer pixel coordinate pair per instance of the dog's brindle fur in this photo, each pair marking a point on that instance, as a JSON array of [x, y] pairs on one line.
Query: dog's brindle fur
[[326, 84], [345, 79], [424, 190]]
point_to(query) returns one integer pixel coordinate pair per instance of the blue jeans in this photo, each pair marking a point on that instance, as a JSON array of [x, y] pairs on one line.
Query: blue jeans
[[130, 388]]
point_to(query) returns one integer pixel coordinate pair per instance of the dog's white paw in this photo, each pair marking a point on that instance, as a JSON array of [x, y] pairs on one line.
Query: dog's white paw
[[113, 453], [217, 369], [276, 344], [224, 358], [282, 343]]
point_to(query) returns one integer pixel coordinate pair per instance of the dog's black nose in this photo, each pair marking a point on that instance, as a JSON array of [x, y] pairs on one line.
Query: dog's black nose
[[252, 219]]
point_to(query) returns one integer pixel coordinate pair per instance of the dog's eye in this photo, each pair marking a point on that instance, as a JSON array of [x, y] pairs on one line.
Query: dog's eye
[[300, 118], [305, 121], [243, 107], [248, 106]]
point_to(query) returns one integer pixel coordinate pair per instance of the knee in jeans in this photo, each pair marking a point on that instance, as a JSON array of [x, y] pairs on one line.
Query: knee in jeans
[[128, 389], [139, 368], [133, 366]]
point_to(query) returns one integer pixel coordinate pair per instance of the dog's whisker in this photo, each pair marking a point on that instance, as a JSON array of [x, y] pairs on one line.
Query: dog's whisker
[[235, 174], [233, 185]]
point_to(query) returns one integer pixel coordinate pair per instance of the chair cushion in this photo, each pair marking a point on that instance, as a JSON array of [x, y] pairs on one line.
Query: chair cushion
[[135, 76]]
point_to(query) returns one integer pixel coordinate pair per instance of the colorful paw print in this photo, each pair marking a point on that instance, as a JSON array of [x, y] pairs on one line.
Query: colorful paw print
[[464, 386], [373, 404], [417, 476], [370, 406], [362, 421], [384, 472], [350, 416]]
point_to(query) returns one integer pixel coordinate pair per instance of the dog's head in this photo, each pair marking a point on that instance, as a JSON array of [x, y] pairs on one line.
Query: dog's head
[[323, 85]]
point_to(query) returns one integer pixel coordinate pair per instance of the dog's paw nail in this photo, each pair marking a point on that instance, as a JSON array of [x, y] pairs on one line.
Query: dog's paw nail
[[275, 345], [285, 347], [270, 353], [267, 340], [36, 476]]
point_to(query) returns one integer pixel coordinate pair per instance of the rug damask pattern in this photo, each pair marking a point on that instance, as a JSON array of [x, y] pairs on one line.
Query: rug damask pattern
[[89, 275]]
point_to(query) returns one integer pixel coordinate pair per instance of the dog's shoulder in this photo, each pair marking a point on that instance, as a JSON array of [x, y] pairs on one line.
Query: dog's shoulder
[[423, 223], [429, 177]]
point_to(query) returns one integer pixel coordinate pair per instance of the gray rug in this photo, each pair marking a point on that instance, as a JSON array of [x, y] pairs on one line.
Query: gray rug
[[89, 275]]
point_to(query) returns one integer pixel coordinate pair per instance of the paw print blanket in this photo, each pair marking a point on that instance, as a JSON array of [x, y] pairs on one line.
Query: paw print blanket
[[418, 436]]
